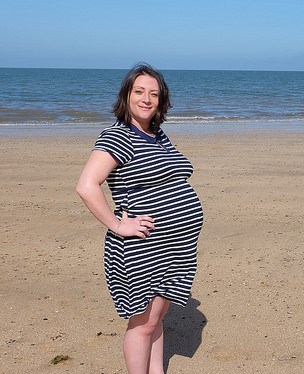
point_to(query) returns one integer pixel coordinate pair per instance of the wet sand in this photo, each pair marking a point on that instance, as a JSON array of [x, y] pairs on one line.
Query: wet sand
[[246, 310]]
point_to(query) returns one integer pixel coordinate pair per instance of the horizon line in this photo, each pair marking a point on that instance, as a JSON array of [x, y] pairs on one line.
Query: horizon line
[[174, 69]]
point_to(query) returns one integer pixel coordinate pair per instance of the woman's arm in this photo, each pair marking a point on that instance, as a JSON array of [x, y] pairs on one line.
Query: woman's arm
[[98, 167]]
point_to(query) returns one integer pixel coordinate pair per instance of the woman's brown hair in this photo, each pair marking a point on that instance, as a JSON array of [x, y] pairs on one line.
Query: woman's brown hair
[[121, 107]]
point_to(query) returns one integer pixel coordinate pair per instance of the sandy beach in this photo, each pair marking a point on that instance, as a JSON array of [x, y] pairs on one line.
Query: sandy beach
[[246, 310]]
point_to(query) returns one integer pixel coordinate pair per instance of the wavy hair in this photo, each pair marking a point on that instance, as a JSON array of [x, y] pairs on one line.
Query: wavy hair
[[121, 107]]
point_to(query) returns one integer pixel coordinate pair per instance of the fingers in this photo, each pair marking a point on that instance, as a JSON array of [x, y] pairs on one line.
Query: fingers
[[147, 223], [144, 232], [138, 226], [142, 235], [146, 219], [144, 228]]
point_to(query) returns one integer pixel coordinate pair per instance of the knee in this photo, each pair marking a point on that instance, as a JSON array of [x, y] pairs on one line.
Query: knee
[[152, 325], [146, 326], [151, 320]]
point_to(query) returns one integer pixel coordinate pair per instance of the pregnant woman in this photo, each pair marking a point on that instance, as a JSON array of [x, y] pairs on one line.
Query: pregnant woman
[[150, 245]]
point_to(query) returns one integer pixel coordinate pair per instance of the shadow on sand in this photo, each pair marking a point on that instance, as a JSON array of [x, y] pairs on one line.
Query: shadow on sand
[[183, 328]]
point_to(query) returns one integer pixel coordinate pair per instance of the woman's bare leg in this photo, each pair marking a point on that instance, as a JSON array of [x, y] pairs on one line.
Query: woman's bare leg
[[144, 332], [156, 365]]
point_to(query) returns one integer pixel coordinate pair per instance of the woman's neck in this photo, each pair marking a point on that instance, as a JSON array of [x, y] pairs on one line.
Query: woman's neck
[[144, 128]]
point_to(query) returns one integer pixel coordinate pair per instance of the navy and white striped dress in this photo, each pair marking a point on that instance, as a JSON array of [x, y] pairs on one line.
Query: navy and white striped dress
[[151, 179]]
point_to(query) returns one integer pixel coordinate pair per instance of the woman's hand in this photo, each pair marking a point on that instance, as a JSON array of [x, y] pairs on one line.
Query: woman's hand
[[138, 226]]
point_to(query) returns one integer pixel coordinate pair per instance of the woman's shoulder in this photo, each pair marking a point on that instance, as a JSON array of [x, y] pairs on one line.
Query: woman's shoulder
[[116, 140], [117, 135], [117, 128], [118, 131]]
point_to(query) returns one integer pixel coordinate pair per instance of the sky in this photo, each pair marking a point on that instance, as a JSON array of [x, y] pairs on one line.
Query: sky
[[168, 34]]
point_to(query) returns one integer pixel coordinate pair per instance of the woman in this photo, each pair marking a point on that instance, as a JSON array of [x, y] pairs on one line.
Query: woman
[[150, 245]]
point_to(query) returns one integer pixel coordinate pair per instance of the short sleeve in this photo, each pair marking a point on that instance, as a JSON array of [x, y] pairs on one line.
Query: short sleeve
[[117, 142]]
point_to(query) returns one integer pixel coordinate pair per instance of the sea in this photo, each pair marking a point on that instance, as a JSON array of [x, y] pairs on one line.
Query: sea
[[202, 100]]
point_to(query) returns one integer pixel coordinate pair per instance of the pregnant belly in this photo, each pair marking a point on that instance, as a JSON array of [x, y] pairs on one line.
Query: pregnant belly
[[175, 207]]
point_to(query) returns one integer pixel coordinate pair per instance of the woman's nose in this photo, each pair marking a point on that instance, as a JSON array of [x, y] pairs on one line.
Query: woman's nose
[[146, 97]]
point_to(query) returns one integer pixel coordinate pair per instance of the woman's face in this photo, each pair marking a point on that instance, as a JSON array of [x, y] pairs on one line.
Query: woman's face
[[143, 100]]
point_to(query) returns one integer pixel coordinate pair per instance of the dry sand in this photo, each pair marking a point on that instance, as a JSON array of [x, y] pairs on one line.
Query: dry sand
[[246, 311]]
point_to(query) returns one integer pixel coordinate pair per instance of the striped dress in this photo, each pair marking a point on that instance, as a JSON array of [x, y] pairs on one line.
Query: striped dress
[[150, 179]]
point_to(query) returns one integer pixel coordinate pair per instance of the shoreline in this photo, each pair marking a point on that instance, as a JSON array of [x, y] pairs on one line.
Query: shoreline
[[179, 128], [245, 314]]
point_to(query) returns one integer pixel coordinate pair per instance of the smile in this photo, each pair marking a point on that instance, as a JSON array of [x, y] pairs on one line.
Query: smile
[[145, 107]]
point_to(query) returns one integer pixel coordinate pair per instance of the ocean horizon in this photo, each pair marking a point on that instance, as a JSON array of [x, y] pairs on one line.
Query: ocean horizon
[[74, 98]]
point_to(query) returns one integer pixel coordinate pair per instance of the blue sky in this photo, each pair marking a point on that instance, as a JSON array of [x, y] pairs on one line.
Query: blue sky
[[169, 34]]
